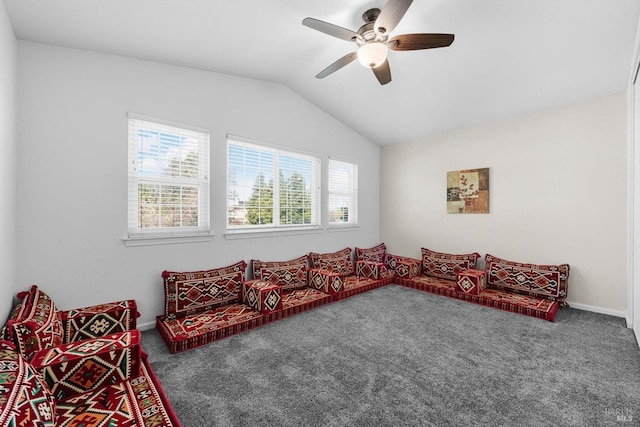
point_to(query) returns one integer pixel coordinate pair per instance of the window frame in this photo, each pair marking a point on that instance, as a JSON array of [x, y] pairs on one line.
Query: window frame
[[351, 194], [276, 228], [137, 235]]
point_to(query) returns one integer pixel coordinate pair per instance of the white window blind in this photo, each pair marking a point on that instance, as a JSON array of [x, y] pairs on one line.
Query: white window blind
[[271, 188], [168, 178], [343, 193]]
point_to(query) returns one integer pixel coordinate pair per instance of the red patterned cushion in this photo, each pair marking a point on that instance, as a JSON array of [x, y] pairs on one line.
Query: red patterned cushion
[[37, 323], [292, 277], [375, 254], [25, 399], [446, 266], [82, 366], [257, 265], [339, 262], [99, 320], [547, 281], [198, 291]]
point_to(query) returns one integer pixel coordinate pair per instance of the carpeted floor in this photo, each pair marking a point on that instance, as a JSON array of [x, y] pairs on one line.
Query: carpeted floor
[[396, 356]]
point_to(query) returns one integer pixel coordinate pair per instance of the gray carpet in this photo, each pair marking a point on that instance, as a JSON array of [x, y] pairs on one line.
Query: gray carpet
[[397, 356]]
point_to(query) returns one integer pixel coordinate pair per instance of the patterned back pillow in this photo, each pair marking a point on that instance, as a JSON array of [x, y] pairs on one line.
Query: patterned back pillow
[[338, 262], [446, 266], [25, 399], [290, 277], [34, 324], [257, 265], [548, 281], [198, 291], [374, 254]]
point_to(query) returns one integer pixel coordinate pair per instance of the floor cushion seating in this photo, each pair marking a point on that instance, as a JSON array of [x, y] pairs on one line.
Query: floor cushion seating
[[77, 367], [336, 274], [524, 288]]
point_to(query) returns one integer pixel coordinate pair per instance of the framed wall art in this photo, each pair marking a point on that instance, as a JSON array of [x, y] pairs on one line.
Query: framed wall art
[[468, 191]]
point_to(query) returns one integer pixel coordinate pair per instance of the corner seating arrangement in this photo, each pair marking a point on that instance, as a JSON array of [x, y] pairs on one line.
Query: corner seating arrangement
[[204, 306], [82, 367]]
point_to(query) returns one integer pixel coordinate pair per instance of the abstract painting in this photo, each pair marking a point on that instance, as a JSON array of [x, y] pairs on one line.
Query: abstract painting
[[468, 191]]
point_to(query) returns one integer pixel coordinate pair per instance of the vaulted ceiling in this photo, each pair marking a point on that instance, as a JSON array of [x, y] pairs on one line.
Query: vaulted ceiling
[[509, 56]]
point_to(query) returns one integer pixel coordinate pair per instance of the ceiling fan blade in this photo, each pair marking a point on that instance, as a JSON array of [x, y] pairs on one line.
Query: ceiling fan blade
[[345, 60], [332, 30], [391, 14], [420, 41], [383, 72]]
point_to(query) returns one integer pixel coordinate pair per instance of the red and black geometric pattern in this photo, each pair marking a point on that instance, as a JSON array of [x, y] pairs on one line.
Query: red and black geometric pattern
[[257, 265], [404, 267], [374, 254], [339, 262], [289, 277], [99, 320], [262, 296], [547, 281], [472, 281], [194, 330], [82, 366], [25, 399], [36, 325], [372, 270], [446, 266], [137, 402], [327, 281], [193, 292]]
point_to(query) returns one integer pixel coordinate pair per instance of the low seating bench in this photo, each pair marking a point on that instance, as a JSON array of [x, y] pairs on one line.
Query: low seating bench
[[205, 306]]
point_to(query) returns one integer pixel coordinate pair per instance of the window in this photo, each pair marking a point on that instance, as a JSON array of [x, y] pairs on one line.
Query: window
[[271, 188], [168, 179], [343, 193]]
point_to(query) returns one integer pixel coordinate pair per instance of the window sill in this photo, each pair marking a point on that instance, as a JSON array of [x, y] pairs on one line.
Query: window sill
[[270, 232], [346, 227], [166, 240]]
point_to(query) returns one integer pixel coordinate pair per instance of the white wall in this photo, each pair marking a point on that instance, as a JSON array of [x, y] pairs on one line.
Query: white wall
[[8, 142], [557, 194], [72, 170]]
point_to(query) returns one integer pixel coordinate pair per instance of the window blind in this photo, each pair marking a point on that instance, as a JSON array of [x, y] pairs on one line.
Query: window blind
[[168, 178], [343, 193]]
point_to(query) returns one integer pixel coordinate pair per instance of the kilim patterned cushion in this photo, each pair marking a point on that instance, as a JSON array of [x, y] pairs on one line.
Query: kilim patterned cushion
[[289, 277], [137, 402], [327, 281], [373, 270], [547, 281], [99, 320], [194, 330], [446, 266], [522, 304], [37, 325], [82, 366], [199, 291], [403, 266], [374, 254], [257, 265], [265, 297], [339, 262], [25, 400]]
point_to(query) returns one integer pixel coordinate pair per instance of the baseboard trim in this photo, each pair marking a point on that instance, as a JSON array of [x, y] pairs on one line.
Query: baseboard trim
[[146, 325], [600, 310]]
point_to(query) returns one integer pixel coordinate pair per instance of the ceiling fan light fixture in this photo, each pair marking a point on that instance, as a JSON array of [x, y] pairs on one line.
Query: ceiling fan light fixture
[[372, 55]]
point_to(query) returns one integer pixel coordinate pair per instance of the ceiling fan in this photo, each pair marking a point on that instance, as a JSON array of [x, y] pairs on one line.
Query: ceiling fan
[[373, 39]]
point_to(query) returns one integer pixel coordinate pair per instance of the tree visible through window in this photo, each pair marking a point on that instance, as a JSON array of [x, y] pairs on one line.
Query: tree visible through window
[[270, 188], [343, 192], [168, 178]]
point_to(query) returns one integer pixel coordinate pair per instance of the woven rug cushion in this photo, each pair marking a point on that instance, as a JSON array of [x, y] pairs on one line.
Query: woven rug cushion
[[257, 265], [297, 297], [137, 402], [82, 366], [546, 281], [374, 254], [212, 320], [25, 399], [516, 303], [37, 324], [289, 277], [445, 265], [339, 262], [403, 266], [193, 292], [99, 320]]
